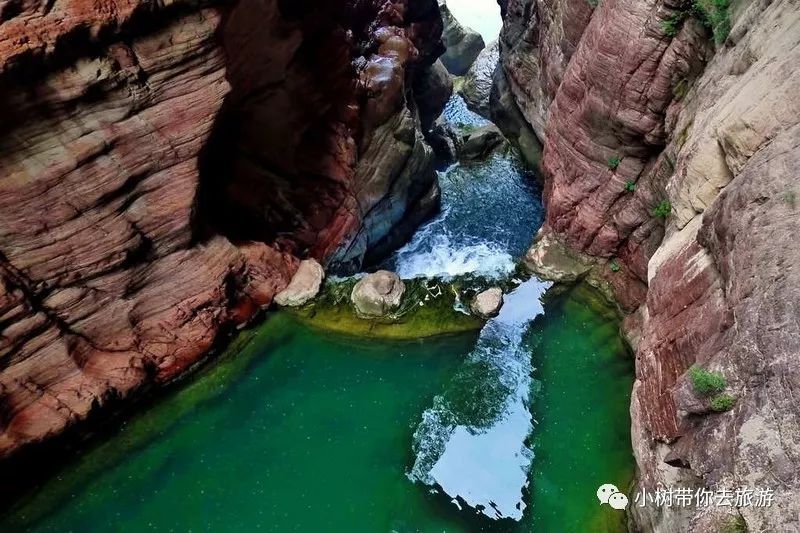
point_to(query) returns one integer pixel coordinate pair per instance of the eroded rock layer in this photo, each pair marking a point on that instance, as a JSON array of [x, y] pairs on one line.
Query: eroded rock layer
[[163, 168], [670, 163]]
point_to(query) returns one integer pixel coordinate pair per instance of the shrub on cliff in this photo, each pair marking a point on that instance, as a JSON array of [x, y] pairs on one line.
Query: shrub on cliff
[[722, 402], [714, 14], [672, 25], [662, 210], [706, 382], [614, 161], [630, 186]]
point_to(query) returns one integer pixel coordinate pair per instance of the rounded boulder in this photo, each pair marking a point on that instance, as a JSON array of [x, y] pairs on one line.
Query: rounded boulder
[[378, 294]]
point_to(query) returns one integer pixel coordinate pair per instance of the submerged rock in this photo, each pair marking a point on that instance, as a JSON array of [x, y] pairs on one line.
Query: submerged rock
[[480, 143], [445, 141], [488, 303], [477, 86], [463, 44], [304, 285], [378, 294]]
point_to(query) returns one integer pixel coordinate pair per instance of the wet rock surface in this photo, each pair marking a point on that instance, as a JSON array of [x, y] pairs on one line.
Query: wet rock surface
[[477, 86], [487, 304], [480, 143]]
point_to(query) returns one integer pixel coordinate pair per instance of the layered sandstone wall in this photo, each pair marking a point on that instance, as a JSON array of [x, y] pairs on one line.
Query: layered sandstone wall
[[162, 169], [712, 129]]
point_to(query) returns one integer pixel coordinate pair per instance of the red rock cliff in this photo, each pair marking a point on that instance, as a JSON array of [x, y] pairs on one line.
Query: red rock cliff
[[162, 167], [638, 107]]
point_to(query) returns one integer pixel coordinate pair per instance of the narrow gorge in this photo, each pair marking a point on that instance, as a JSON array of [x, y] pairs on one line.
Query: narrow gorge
[[398, 265]]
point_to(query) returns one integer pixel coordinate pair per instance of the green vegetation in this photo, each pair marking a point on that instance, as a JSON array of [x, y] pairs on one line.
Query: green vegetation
[[614, 266], [790, 198], [684, 135], [593, 3], [672, 25], [706, 382], [714, 14], [614, 161], [736, 525], [722, 402], [630, 186], [680, 89], [430, 307], [466, 129], [662, 210]]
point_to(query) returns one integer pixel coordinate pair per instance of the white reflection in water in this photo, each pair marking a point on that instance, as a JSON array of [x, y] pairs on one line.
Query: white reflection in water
[[471, 443]]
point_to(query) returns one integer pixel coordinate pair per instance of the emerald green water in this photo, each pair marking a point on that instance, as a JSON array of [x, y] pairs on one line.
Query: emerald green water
[[302, 431]]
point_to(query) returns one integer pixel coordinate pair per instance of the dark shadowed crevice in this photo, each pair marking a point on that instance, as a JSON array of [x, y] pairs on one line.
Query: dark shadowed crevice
[[280, 159]]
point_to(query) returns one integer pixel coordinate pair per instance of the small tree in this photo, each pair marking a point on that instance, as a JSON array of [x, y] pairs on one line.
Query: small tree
[[662, 210], [630, 186]]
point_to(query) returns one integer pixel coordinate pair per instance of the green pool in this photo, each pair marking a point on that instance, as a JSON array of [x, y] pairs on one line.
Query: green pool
[[296, 430]]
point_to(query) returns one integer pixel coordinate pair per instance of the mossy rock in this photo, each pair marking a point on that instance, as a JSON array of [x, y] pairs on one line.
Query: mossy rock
[[430, 307]]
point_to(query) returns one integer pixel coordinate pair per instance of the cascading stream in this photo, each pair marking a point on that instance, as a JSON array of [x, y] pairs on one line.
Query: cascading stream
[[490, 210]]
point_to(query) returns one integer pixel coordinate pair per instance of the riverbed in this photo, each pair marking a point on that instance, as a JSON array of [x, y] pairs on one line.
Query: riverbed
[[512, 428]]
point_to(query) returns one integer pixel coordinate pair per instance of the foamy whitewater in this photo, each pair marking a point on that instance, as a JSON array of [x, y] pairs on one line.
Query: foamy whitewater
[[433, 253], [490, 212]]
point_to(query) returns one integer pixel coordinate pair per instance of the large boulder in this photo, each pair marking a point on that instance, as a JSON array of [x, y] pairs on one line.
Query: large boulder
[[304, 285], [479, 144], [477, 87], [445, 141], [487, 304], [463, 44], [432, 89], [505, 112], [378, 294]]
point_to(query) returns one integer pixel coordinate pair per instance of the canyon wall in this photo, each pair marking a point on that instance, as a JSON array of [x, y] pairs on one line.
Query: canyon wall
[[670, 166], [163, 167]]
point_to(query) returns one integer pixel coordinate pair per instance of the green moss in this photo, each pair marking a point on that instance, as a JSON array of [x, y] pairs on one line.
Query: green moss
[[790, 198], [662, 210], [614, 266], [736, 525], [706, 382], [684, 135], [672, 25], [466, 129], [722, 402], [429, 308], [680, 89], [614, 161]]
